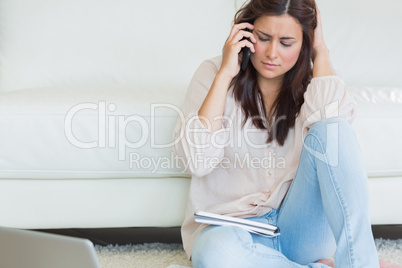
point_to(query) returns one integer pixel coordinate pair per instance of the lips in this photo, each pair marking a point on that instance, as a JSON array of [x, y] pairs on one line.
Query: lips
[[269, 64]]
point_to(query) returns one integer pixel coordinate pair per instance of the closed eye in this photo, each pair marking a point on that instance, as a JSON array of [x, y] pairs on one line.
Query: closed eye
[[263, 39], [286, 45], [267, 39]]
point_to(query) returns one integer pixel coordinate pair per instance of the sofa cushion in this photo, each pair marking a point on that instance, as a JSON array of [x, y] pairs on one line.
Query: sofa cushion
[[89, 132], [91, 203], [378, 128], [126, 131]]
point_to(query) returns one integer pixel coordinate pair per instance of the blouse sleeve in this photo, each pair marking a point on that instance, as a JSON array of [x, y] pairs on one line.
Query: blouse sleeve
[[200, 148], [326, 97]]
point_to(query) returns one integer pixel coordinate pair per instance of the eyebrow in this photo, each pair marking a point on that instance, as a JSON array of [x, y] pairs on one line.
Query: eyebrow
[[270, 36]]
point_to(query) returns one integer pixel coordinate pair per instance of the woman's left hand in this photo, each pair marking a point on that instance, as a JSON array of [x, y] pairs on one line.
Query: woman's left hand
[[321, 62], [319, 44]]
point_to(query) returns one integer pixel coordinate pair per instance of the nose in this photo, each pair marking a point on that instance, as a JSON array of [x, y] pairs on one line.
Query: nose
[[271, 51]]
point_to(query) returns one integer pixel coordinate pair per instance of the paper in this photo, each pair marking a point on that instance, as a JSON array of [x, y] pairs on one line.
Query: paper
[[259, 228]]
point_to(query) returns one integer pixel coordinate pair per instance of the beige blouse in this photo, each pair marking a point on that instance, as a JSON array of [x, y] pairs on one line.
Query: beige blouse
[[234, 171]]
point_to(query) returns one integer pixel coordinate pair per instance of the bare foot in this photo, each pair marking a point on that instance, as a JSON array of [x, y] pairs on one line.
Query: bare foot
[[331, 263], [385, 264]]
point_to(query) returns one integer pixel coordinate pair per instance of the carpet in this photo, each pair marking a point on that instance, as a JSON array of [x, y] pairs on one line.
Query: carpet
[[157, 255]]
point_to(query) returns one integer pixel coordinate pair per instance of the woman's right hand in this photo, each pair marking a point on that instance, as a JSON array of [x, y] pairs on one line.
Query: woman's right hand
[[231, 58], [213, 107]]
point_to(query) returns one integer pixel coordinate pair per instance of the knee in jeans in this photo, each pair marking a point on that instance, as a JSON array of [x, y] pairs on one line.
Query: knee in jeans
[[334, 130], [213, 247], [210, 246], [322, 126]]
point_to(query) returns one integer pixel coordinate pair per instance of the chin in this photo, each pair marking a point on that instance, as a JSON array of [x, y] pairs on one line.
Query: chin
[[270, 75]]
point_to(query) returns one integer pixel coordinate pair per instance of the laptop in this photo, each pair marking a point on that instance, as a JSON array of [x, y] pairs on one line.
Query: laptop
[[32, 249]]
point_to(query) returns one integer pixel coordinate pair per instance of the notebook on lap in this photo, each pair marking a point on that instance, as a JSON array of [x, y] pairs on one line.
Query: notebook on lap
[[23, 249]]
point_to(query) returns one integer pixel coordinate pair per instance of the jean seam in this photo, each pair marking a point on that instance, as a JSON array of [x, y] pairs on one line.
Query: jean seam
[[285, 201], [286, 196], [340, 200]]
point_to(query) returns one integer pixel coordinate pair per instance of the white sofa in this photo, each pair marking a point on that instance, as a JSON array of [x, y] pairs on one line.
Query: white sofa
[[89, 96]]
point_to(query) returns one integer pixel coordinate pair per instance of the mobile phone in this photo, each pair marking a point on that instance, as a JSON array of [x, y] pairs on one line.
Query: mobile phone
[[246, 57], [246, 54]]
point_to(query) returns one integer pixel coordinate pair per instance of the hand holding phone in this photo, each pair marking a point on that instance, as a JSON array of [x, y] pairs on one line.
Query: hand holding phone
[[234, 45]]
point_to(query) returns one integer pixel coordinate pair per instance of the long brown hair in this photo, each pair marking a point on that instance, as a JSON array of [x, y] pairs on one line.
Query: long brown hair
[[287, 105]]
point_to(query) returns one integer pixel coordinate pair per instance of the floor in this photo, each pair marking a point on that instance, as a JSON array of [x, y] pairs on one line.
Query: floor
[[123, 236]]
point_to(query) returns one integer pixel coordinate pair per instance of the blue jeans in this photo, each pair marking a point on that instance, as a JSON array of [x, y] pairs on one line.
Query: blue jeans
[[325, 212]]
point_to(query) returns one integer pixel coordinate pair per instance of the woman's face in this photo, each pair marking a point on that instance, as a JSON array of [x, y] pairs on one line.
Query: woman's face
[[279, 41]]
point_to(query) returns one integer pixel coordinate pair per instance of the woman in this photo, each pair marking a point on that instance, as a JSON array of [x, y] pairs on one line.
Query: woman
[[273, 144]]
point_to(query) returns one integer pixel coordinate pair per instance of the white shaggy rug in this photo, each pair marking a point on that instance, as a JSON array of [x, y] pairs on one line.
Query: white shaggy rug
[[153, 255], [156, 255]]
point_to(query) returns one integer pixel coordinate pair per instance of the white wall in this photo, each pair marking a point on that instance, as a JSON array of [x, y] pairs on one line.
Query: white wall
[[158, 42]]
